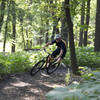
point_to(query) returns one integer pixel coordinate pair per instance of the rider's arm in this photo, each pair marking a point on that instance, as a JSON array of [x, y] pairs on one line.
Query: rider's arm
[[49, 43]]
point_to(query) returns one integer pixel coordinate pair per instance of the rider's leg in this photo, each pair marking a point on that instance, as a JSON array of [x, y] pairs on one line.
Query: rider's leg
[[55, 53], [60, 58], [48, 60], [52, 56]]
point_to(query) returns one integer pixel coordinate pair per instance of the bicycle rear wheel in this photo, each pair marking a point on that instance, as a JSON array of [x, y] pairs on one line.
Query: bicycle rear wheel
[[52, 67], [37, 67]]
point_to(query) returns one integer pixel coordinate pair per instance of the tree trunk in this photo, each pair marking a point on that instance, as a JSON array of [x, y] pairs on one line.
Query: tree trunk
[[71, 38], [3, 3], [23, 39], [31, 2], [46, 37], [6, 28], [97, 32], [64, 30], [27, 41], [87, 22], [21, 24], [13, 26], [53, 32], [55, 22], [55, 29], [82, 23]]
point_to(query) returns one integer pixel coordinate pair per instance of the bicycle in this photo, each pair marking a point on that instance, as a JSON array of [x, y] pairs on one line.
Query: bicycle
[[52, 65]]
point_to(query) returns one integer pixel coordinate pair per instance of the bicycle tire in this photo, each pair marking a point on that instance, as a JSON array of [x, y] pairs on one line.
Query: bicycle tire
[[37, 67], [52, 67]]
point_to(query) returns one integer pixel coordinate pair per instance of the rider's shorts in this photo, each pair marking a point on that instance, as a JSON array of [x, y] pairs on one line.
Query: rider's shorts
[[57, 52]]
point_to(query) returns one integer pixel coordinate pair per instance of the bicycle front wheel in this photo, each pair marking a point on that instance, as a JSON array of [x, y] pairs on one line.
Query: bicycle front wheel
[[52, 67], [37, 67]]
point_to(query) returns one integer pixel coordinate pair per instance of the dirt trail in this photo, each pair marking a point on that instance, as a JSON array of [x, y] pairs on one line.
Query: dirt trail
[[22, 86]]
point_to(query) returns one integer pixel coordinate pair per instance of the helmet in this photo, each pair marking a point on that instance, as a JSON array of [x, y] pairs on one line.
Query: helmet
[[58, 36]]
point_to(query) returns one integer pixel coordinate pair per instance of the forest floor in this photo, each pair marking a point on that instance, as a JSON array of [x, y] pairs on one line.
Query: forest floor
[[22, 86]]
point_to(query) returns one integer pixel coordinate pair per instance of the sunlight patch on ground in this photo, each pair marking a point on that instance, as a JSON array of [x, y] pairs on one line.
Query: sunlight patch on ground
[[52, 85], [28, 98], [20, 84], [34, 90], [45, 75], [8, 87]]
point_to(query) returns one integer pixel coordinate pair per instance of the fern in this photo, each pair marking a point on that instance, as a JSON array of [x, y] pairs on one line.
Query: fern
[[87, 90]]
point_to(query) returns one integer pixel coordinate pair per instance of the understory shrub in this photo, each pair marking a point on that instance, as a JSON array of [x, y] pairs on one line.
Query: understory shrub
[[19, 61], [15, 62], [85, 57], [86, 90]]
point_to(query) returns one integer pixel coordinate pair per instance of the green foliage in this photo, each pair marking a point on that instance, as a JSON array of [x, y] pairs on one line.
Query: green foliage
[[15, 62], [85, 57], [67, 77], [20, 61], [37, 47], [87, 90], [38, 55], [86, 72], [34, 18]]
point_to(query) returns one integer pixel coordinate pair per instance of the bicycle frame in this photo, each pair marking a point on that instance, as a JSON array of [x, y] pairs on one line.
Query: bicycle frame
[[42, 64], [47, 57]]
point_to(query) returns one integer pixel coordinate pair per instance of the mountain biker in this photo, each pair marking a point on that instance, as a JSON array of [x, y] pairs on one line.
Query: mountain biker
[[60, 51]]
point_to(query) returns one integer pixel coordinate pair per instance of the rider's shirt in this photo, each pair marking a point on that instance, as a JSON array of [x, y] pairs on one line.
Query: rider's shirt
[[60, 45]]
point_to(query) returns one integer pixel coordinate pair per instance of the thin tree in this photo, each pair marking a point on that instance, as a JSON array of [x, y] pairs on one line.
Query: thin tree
[[71, 38], [64, 30], [55, 21], [82, 23], [13, 26], [27, 41], [31, 1], [87, 22], [21, 15], [2, 9], [47, 30], [47, 23], [6, 26], [97, 32]]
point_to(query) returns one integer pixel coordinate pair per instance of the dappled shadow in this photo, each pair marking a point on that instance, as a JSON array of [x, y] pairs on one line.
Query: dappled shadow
[[22, 86]]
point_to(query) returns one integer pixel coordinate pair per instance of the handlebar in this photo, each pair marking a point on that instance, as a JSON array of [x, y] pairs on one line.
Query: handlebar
[[55, 59], [45, 50]]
